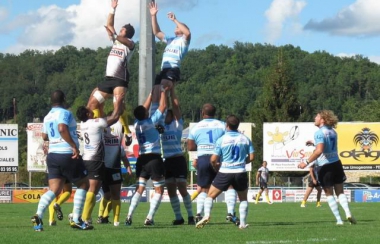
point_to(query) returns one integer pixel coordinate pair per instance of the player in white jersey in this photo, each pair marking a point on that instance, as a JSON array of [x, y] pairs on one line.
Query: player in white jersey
[[149, 163], [93, 151], [175, 162], [114, 153], [331, 174], [262, 178], [117, 74], [232, 152], [63, 161], [175, 50]]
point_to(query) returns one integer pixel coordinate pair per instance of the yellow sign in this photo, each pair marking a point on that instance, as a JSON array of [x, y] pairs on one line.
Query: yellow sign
[[32, 196]]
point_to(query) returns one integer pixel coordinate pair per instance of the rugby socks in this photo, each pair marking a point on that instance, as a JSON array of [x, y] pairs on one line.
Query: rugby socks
[[208, 206], [44, 202], [88, 206], [96, 113], [344, 203], [154, 204], [134, 202], [243, 212], [200, 202], [334, 207], [231, 201], [174, 201], [124, 122], [267, 197], [79, 199], [116, 204], [187, 202], [194, 195], [257, 197], [103, 207], [51, 211], [64, 197]]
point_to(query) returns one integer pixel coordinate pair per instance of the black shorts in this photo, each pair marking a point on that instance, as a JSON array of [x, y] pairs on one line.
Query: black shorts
[[95, 169], [331, 174], [63, 166], [175, 167], [263, 185], [239, 181], [150, 166], [172, 74], [110, 83], [205, 172], [112, 177]]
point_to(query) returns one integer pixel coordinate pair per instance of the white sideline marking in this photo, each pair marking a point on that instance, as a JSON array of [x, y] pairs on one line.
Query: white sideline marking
[[309, 240]]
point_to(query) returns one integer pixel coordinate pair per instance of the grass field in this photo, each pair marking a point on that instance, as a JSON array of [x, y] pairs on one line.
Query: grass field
[[277, 223]]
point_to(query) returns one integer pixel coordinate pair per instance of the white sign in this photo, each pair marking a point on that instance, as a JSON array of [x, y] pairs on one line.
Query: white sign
[[8, 147], [284, 145], [37, 148]]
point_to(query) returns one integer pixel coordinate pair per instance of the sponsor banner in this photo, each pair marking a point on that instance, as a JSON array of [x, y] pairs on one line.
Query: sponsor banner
[[275, 195], [27, 196], [37, 148], [5, 196], [284, 145], [126, 194], [8, 147], [244, 128], [132, 151], [367, 195], [297, 196]]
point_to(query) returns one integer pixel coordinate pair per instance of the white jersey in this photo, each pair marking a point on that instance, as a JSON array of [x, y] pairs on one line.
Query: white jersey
[[113, 136], [92, 133], [264, 176], [118, 60]]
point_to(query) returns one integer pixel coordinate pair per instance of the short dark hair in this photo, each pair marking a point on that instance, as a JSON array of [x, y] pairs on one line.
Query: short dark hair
[[57, 97], [139, 112], [233, 122], [130, 30], [82, 113], [209, 109]]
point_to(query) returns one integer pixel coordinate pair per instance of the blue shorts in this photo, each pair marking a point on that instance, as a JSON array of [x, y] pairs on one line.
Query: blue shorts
[[63, 166], [205, 172], [239, 181]]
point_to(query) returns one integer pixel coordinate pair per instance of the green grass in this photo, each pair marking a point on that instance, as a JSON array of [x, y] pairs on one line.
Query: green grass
[[277, 223]]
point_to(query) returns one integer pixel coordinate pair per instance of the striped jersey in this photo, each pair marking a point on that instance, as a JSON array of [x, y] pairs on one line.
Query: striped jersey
[[264, 174], [171, 139], [56, 116], [175, 50], [117, 62], [205, 133], [233, 149], [329, 138], [147, 135], [112, 137], [92, 133]]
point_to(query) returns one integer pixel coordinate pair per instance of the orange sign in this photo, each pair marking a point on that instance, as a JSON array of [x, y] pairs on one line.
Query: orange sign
[[27, 196]]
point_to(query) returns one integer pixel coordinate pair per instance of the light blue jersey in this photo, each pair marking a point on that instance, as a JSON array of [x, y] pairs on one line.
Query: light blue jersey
[[233, 149], [56, 116], [171, 138], [174, 52], [205, 134], [147, 135], [329, 138]]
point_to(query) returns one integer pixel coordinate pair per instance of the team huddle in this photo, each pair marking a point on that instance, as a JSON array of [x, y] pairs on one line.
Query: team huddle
[[222, 151]]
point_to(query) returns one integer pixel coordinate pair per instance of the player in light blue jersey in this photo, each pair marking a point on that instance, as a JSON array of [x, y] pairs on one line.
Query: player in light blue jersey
[[63, 161], [202, 138], [331, 174], [232, 152], [149, 164], [175, 162], [175, 50]]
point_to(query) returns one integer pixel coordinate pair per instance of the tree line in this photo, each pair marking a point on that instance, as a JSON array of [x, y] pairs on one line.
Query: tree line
[[257, 82]]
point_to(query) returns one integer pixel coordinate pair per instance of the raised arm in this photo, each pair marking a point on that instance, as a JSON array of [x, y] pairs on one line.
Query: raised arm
[[162, 105], [111, 17], [118, 110], [153, 8], [182, 27], [175, 105]]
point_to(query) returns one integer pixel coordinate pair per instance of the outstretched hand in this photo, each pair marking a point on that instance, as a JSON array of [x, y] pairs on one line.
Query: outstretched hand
[[114, 3], [171, 16], [153, 8]]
